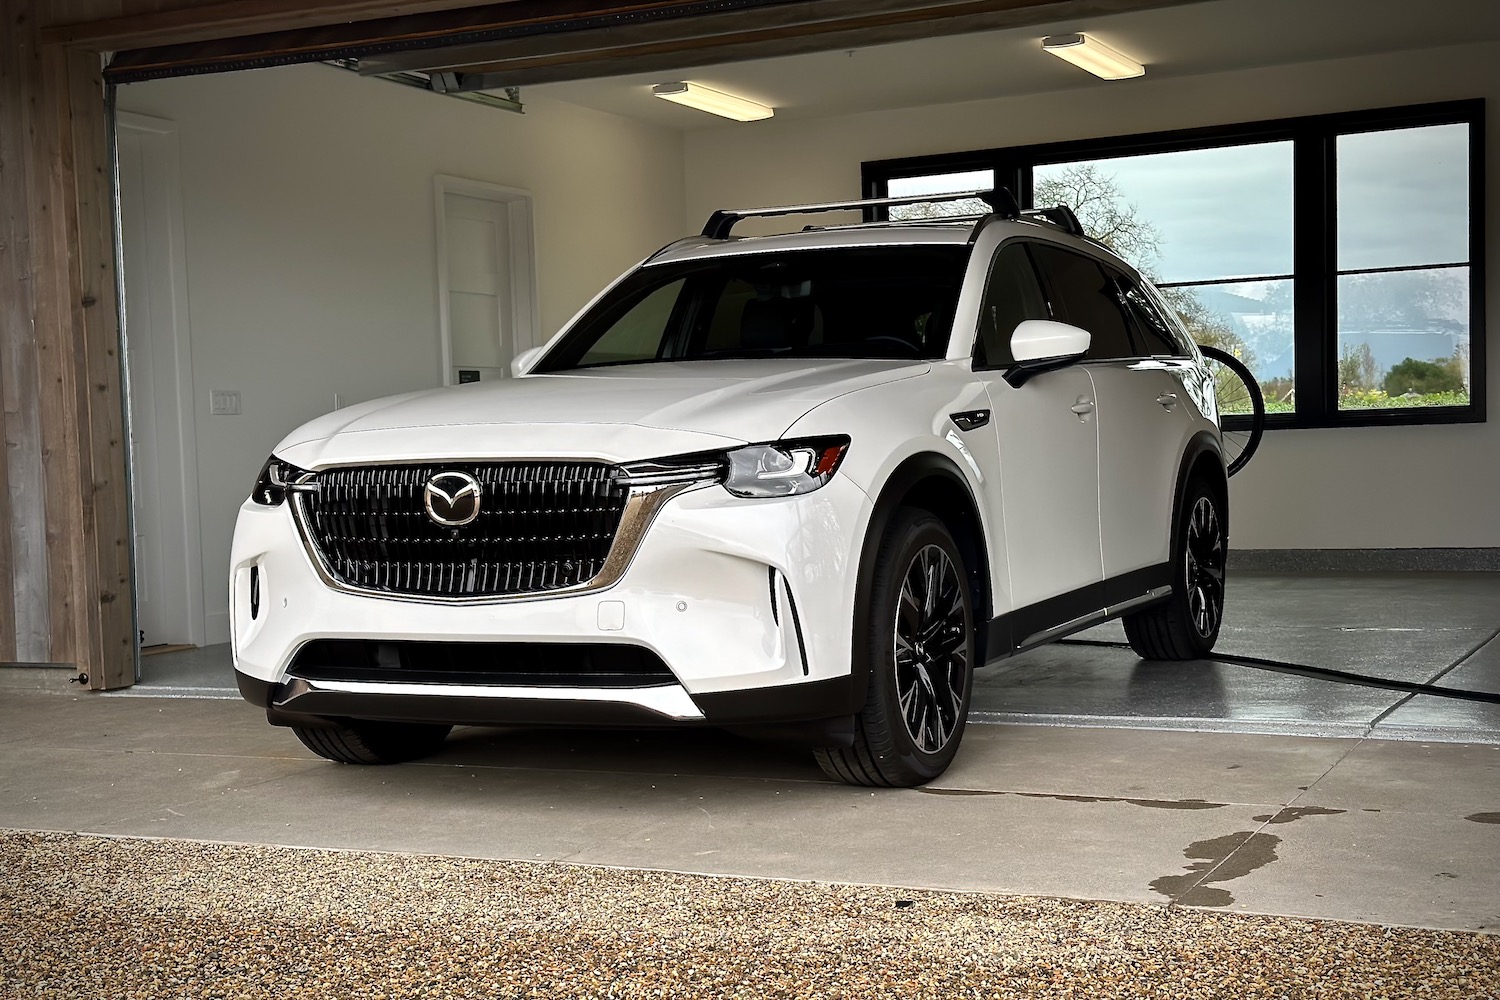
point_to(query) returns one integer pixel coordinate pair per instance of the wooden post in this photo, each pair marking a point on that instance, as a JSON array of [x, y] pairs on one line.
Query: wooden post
[[106, 633], [64, 325], [21, 457]]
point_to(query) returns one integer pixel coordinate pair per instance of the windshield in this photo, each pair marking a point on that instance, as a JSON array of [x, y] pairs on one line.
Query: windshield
[[849, 302]]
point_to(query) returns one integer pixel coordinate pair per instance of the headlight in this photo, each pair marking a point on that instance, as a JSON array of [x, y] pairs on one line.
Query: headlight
[[274, 479], [784, 468]]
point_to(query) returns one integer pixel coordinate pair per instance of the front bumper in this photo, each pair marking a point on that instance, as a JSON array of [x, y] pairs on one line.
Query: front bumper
[[299, 702], [748, 603]]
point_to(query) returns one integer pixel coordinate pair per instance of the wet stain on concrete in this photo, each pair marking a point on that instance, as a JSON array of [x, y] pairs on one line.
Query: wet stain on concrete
[[1483, 818], [1143, 803], [1224, 859], [1292, 814]]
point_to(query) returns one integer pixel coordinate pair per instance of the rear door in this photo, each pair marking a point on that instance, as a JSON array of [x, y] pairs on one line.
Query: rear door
[[1144, 417]]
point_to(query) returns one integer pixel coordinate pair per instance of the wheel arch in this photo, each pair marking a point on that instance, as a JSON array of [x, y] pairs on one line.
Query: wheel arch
[[1203, 458], [928, 481]]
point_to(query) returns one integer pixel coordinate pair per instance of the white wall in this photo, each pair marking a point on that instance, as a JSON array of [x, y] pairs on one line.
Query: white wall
[[309, 215], [1347, 488]]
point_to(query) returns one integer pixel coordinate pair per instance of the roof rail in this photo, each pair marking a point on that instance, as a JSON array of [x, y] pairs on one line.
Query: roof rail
[[1000, 201]]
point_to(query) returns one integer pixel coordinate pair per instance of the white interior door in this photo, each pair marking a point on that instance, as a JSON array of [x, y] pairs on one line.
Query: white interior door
[[484, 278], [479, 307], [169, 594]]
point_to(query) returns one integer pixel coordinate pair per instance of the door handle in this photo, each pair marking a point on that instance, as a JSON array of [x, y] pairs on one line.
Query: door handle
[[1083, 407], [1167, 399]]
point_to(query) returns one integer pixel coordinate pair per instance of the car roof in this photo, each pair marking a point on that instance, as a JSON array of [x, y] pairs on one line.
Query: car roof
[[937, 232]]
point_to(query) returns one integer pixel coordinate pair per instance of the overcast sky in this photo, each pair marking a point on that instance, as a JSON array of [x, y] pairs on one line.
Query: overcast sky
[[1227, 212]]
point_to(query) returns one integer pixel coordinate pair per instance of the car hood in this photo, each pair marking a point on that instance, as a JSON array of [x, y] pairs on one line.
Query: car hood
[[617, 414]]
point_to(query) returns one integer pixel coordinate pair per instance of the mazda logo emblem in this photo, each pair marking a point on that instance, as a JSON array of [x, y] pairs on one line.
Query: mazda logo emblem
[[452, 499]]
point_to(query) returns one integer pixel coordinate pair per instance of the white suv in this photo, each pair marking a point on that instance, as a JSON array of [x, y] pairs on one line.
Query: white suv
[[799, 486]]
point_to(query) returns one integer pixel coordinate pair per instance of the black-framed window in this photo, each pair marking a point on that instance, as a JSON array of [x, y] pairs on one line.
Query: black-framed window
[[1339, 256]]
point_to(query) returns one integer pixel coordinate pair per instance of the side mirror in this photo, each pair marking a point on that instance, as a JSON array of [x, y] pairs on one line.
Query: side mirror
[[521, 363], [1040, 345], [1043, 340]]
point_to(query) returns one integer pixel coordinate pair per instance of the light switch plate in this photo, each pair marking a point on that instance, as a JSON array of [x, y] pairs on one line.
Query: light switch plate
[[224, 402]]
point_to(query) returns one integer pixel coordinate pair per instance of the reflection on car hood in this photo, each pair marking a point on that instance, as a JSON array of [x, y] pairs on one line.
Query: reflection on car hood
[[616, 413]]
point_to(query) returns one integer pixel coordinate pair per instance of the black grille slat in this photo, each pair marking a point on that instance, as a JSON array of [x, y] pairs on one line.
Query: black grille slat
[[542, 526]]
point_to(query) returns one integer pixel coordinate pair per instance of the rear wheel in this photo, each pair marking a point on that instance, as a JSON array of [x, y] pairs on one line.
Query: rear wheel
[[1186, 625], [352, 742], [921, 641]]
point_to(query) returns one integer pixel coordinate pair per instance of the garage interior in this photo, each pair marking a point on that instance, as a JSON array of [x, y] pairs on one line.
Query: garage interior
[[321, 205]]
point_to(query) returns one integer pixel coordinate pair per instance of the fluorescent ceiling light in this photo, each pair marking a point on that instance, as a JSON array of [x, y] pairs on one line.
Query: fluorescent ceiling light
[[1094, 56], [695, 95]]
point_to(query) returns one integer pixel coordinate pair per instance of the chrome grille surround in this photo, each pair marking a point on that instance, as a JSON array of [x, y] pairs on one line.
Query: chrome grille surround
[[546, 529]]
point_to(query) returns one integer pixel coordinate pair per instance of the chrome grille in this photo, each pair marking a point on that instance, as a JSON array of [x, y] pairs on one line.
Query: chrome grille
[[542, 526]]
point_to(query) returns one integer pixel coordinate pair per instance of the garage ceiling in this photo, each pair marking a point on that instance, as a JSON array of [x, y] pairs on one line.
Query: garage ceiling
[[1180, 41], [517, 43]]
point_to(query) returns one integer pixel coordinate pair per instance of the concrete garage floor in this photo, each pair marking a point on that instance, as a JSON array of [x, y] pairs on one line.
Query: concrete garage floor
[[1388, 815], [1410, 627]]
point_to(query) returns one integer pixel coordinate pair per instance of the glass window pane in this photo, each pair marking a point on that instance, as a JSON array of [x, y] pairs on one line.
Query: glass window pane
[[637, 335], [1082, 295], [1011, 296], [1251, 320], [968, 180], [1404, 339], [1403, 197], [1155, 333], [1187, 216]]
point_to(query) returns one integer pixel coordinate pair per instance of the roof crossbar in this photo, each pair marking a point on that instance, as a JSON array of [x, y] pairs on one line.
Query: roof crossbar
[[722, 222], [1060, 216]]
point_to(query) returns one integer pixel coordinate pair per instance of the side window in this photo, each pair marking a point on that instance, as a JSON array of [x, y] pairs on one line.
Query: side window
[[1179, 331], [1083, 295], [1153, 333], [638, 334], [1011, 295]]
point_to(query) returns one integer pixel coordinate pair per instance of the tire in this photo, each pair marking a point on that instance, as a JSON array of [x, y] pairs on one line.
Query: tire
[[922, 657], [1186, 625], [352, 742], [1237, 391]]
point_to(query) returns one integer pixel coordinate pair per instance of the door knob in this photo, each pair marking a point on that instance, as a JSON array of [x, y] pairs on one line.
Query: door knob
[[1167, 399], [1083, 407]]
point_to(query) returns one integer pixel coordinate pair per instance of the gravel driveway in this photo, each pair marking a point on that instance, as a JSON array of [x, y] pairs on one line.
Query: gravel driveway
[[88, 916]]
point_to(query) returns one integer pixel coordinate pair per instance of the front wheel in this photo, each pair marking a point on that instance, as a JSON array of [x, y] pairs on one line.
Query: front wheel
[[1186, 625], [358, 742], [921, 642]]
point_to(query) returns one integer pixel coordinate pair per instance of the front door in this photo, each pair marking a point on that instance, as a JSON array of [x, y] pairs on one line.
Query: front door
[[1047, 433]]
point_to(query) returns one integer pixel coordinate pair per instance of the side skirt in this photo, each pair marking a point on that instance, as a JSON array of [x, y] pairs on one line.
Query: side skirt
[[1041, 623]]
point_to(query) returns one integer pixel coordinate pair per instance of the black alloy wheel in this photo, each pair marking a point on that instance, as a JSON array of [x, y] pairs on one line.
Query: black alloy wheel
[[1185, 625], [931, 640], [1205, 553], [919, 632]]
